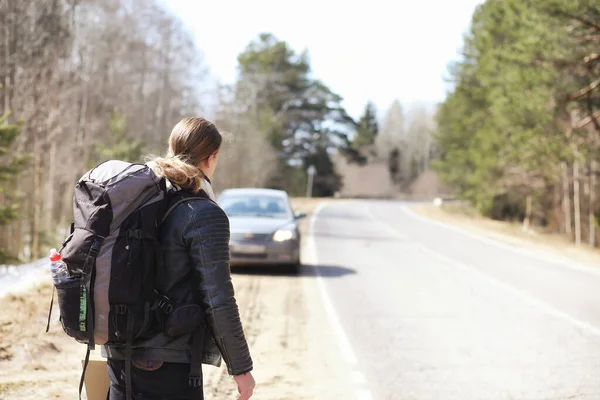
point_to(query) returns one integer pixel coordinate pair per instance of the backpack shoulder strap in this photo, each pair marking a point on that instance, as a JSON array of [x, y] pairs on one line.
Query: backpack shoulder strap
[[180, 197]]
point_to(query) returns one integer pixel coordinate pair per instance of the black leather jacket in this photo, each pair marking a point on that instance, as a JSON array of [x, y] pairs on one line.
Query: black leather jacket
[[196, 235]]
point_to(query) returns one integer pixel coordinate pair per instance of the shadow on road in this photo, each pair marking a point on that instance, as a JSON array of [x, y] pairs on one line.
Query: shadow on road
[[325, 271]]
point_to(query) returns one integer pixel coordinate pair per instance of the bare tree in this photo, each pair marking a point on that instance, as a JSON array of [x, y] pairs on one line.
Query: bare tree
[[248, 160], [404, 142], [392, 132], [592, 204], [68, 68], [420, 125]]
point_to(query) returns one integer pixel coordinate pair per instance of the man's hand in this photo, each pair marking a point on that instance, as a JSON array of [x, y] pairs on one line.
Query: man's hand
[[245, 384]]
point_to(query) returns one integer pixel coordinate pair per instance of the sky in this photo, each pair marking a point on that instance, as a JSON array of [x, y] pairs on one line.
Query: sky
[[376, 50]]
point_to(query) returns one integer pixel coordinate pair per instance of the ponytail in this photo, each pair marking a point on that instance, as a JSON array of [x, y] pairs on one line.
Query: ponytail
[[178, 171], [192, 141]]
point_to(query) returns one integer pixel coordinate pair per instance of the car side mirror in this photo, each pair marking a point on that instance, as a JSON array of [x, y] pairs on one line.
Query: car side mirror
[[299, 215]]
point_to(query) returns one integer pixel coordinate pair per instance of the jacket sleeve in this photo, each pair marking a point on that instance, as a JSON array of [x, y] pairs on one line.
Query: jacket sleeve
[[207, 235]]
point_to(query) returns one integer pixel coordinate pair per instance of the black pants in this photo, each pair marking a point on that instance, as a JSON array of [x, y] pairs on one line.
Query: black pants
[[169, 382]]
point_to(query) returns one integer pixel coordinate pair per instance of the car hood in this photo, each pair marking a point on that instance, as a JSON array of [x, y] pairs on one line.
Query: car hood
[[258, 224]]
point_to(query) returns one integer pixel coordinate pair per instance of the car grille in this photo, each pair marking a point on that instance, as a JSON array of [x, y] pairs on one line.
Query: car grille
[[251, 237]]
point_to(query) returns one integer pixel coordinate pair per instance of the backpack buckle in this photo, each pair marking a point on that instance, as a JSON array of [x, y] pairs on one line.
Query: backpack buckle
[[195, 381], [121, 309], [164, 302]]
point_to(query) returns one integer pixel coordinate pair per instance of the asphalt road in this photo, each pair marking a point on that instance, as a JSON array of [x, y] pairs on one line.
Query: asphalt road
[[426, 311]]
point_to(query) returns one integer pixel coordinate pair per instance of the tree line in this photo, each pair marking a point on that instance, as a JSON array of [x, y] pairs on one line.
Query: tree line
[[284, 120], [82, 81], [519, 131]]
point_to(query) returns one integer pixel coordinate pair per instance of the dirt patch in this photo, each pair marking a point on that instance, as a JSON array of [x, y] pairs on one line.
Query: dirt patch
[[294, 350], [511, 233], [30, 358], [295, 355]]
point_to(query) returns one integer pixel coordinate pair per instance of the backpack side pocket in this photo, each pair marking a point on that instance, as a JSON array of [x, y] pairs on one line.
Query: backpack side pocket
[[72, 302]]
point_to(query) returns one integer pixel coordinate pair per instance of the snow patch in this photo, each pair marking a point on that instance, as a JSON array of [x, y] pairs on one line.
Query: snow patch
[[19, 278]]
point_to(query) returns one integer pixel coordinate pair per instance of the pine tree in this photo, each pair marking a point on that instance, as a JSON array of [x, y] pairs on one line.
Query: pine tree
[[10, 167], [303, 119], [119, 146], [496, 127], [367, 128]]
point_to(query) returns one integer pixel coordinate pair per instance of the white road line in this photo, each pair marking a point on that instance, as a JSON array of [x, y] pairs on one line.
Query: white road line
[[532, 300], [548, 309], [554, 259], [357, 378], [385, 225]]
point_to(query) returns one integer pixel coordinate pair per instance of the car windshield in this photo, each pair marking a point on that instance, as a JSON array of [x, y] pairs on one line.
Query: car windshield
[[255, 205]]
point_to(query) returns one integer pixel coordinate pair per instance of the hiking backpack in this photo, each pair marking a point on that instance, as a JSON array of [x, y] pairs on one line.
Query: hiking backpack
[[113, 257]]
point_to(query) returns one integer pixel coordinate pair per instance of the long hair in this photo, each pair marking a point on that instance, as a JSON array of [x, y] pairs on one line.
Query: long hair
[[192, 141]]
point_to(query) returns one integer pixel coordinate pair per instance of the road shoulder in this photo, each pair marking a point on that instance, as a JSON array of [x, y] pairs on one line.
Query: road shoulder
[[537, 243]]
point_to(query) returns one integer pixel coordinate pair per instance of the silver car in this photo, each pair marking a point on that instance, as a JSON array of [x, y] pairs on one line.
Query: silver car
[[264, 228]]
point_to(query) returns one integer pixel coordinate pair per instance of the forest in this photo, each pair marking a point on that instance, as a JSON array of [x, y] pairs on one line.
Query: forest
[[83, 81], [519, 131]]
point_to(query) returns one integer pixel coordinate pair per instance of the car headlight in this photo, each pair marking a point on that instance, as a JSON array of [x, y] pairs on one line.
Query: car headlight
[[284, 234]]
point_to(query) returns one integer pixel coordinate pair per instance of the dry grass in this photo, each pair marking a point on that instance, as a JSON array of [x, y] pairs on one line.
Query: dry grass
[[307, 204]]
